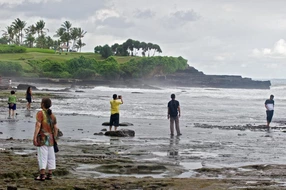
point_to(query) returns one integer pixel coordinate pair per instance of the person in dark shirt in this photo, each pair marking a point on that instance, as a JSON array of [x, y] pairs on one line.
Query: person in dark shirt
[[269, 105], [174, 112]]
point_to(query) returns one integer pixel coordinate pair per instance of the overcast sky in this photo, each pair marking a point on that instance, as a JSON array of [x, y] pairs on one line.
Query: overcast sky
[[232, 37]]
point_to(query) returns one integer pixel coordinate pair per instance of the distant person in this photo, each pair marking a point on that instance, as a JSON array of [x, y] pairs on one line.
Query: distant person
[[12, 104], [114, 117], [10, 84], [269, 105], [29, 97], [174, 112], [44, 137]]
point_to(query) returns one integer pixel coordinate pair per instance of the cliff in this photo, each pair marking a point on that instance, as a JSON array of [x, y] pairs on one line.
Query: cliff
[[191, 77]]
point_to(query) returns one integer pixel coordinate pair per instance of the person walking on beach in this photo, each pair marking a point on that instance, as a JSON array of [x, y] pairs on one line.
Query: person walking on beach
[[174, 112], [269, 105], [44, 137], [29, 97], [12, 104], [114, 117]]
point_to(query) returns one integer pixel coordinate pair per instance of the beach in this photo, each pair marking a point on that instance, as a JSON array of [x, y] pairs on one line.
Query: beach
[[212, 153]]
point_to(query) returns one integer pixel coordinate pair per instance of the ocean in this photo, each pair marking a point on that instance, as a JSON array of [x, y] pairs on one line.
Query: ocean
[[198, 105]]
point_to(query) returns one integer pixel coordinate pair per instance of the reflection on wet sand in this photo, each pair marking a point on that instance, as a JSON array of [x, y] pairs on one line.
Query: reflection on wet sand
[[173, 150]]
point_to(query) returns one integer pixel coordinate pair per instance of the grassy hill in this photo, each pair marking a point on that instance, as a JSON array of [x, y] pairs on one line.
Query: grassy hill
[[42, 54], [36, 62]]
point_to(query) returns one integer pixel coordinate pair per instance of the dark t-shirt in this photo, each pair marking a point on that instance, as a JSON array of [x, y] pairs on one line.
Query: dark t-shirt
[[270, 104], [173, 107]]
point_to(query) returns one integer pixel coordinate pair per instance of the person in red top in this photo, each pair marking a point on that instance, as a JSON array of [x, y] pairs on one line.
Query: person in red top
[[45, 131]]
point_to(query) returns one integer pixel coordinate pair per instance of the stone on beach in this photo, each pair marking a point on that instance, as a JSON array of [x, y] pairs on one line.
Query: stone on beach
[[25, 86], [121, 133]]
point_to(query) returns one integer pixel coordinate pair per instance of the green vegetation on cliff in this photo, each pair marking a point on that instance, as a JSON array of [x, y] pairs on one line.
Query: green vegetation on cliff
[[35, 62]]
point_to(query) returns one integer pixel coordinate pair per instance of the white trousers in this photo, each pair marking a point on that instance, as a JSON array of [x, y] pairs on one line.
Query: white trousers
[[46, 157]]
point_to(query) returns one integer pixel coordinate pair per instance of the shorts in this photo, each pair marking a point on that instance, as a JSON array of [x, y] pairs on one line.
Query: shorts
[[12, 107], [114, 120], [269, 115], [29, 99]]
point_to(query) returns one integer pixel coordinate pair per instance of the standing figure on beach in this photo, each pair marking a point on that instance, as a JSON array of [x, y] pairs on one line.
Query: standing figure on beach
[[269, 105], [44, 137], [12, 104], [29, 97], [114, 117], [174, 112], [10, 84]]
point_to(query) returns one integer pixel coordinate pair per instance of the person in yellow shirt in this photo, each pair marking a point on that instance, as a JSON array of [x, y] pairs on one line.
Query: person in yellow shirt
[[114, 117]]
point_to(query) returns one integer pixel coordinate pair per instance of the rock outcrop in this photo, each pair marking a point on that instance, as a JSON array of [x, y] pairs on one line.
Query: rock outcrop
[[191, 77]]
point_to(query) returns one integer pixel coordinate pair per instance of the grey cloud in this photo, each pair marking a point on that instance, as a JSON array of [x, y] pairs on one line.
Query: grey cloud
[[116, 22], [144, 14], [180, 18], [69, 9], [189, 15]]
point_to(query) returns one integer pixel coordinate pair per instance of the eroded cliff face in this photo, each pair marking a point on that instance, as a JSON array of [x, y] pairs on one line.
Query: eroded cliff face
[[191, 77]]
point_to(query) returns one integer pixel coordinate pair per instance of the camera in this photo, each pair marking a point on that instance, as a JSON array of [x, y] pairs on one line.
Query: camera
[[119, 96]]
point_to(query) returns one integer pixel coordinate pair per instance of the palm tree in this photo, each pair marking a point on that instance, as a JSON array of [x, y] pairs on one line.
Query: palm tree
[[30, 30], [81, 33], [30, 39], [40, 27], [41, 41], [66, 27], [49, 42], [19, 25], [9, 34], [74, 35], [79, 45]]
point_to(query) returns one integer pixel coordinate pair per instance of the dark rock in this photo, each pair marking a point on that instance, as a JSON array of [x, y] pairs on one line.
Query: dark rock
[[25, 86], [121, 133], [100, 133], [12, 188], [1, 133], [120, 124], [125, 124], [103, 129]]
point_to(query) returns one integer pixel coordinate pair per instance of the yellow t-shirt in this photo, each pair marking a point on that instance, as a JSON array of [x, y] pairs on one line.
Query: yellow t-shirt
[[115, 106]]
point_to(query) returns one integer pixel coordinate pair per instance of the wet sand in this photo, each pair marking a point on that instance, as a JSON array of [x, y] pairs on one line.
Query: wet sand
[[204, 157]]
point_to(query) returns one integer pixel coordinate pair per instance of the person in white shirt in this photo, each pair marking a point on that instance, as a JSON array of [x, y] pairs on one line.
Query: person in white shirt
[[269, 105]]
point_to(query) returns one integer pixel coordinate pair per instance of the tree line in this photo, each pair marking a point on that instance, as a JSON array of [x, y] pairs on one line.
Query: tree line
[[129, 48], [35, 35]]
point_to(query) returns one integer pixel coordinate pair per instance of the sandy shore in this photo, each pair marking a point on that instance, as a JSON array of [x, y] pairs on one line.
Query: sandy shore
[[204, 157]]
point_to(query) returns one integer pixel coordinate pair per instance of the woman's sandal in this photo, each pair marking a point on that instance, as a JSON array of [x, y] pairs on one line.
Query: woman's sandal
[[41, 177], [49, 176]]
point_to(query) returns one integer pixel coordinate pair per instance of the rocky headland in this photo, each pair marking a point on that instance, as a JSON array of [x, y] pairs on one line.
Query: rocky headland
[[190, 77]]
